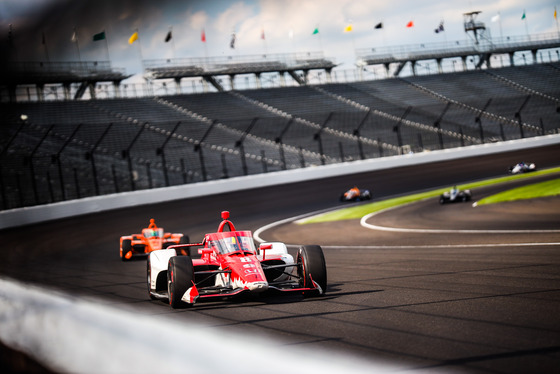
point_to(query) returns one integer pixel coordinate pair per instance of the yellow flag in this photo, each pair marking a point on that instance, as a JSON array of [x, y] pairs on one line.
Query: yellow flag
[[133, 38], [348, 28]]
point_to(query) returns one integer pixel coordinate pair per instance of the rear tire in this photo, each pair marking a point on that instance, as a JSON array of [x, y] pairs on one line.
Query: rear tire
[[186, 240], [180, 277], [126, 247], [312, 267]]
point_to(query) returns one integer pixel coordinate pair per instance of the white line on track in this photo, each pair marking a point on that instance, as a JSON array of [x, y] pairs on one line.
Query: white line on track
[[257, 234], [440, 246], [363, 223], [259, 231]]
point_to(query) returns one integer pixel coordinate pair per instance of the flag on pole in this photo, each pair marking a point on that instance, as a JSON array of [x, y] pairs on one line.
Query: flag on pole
[[203, 36], [133, 38], [316, 31], [439, 28], [523, 16], [262, 34], [168, 36], [496, 18], [99, 36], [555, 13], [74, 36], [232, 43], [410, 24], [379, 26], [348, 28]]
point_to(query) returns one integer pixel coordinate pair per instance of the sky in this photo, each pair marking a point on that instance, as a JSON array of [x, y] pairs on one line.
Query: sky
[[42, 30]]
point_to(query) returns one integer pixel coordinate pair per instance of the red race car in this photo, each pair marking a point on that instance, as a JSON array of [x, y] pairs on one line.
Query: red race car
[[231, 265], [152, 238]]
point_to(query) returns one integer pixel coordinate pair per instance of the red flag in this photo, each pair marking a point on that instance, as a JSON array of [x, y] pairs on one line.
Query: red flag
[[203, 36], [262, 34], [410, 24]]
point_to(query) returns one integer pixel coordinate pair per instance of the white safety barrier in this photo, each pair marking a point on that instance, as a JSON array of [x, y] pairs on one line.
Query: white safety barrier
[[70, 335], [35, 214]]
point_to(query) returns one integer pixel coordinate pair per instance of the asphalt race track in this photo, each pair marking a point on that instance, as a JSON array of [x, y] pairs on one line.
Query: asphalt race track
[[423, 300]]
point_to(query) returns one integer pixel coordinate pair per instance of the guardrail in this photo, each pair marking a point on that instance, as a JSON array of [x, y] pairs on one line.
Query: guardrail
[[42, 213]]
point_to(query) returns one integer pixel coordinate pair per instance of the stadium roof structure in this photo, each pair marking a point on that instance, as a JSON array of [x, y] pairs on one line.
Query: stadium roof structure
[[88, 73], [209, 68], [483, 49]]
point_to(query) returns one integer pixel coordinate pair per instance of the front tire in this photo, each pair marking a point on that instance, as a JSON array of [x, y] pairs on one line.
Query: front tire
[[126, 247], [180, 277], [312, 267]]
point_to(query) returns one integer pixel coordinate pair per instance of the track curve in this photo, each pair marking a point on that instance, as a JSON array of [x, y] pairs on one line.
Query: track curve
[[422, 301]]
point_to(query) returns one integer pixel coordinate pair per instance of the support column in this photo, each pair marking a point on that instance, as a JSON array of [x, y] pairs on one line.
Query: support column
[[511, 59], [40, 92], [232, 81], [66, 89], [464, 60], [534, 54], [178, 85], [91, 87], [117, 88], [329, 77], [439, 68], [258, 78], [305, 75], [282, 78]]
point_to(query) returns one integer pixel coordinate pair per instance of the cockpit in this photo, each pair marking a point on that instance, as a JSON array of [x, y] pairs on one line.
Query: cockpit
[[232, 241], [153, 233]]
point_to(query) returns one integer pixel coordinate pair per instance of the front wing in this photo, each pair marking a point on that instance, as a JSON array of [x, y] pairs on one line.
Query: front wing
[[196, 292]]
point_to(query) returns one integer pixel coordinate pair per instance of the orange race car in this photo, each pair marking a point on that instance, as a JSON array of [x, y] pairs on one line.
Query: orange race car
[[151, 239]]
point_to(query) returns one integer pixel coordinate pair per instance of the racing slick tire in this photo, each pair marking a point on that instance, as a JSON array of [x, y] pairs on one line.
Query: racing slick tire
[[180, 277], [126, 247], [311, 267], [186, 240]]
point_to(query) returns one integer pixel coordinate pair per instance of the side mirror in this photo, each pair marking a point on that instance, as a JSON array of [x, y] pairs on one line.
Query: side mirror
[[264, 247]]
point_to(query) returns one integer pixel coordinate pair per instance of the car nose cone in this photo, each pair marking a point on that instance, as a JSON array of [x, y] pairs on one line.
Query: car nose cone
[[257, 286]]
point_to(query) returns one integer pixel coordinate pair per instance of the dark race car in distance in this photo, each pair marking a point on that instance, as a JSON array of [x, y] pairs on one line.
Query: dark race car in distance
[[455, 195]]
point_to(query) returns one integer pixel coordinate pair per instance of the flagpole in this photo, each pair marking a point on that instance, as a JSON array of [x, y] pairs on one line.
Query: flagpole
[[172, 41], [500, 23], [526, 26], [444, 33], [263, 37], [556, 19], [44, 40], [76, 40], [140, 49], [107, 47], [203, 38]]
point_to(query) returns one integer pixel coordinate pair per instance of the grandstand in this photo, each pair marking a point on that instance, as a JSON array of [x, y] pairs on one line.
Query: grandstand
[[54, 150]]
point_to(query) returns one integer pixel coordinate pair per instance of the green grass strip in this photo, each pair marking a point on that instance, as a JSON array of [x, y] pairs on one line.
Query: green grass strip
[[359, 211], [532, 191]]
